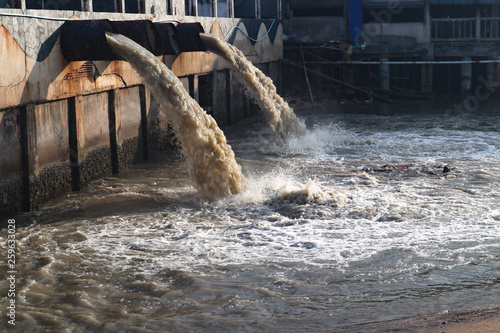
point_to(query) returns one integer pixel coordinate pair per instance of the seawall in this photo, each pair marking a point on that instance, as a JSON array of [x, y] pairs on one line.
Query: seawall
[[64, 124]]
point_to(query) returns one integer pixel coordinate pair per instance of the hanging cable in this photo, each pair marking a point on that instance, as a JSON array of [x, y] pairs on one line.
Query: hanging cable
[[64, 19], [35, 17], [254, 40]]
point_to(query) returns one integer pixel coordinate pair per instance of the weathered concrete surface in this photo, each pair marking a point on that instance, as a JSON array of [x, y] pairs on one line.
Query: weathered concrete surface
[[220, 102], [64, 124], [11, 180], [238, 101], [128, 125], [160, 136], [92, 132], [48, 151], [38, 72]]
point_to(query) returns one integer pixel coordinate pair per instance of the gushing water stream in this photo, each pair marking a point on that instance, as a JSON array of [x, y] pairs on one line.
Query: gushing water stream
[[203, 143], [280, 117]]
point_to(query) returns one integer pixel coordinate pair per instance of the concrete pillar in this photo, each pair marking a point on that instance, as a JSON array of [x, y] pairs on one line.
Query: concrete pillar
[[120, 6], [220, 101], [11, 163], [466, 76], [496, 72], [87, 6], [91, 128], [237, 106], [48, 152], [493, 70], [385, 78], [128, 127], [478, 24], [426, 77], [214, 8], [428, 25], [194, 87], [230, 8]]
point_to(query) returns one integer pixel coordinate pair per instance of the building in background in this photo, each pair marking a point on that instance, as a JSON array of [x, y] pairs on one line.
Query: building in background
[[447, 46]]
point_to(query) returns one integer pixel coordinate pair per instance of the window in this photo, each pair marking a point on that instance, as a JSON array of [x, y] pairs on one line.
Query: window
[[458, 11], [330, 11], [54, 4], [104, 6], [204, 8], [169, 7], [222, 8], [190, 8], [268, 8], [10, 3], [384, 15], [135, 6], [244, 9]]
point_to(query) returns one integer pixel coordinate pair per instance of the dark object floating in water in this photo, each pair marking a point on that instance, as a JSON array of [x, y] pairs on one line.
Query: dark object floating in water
[[305, 245], [446, 169]]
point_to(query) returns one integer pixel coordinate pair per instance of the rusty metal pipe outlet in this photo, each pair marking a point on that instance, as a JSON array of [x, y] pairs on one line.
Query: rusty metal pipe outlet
[[189, 37], [86, 40]]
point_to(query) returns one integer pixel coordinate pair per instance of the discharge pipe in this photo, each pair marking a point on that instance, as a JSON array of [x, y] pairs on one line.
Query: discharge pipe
[[189, 37], [83, 40]]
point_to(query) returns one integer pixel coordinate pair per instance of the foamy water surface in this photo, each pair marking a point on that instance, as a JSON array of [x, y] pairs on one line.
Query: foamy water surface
[[351, 224]]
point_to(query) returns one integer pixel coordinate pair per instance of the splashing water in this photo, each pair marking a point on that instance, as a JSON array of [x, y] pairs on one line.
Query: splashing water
[[203, 143], [280, 117]]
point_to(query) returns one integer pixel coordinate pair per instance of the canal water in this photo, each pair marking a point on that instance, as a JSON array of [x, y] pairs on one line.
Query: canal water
[[353, 224]]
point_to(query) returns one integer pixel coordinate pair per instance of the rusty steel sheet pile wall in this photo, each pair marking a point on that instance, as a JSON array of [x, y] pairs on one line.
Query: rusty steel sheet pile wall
[[64, 124]]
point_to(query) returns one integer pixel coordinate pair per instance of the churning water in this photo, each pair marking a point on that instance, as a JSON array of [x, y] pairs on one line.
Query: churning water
[[280, 117], [350, 224], [204, 145]]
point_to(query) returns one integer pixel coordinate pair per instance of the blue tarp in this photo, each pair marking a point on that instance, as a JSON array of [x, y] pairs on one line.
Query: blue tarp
[[355, 19]]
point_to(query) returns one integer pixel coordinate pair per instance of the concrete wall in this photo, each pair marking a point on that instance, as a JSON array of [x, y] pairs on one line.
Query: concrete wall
[[64, 124], [11, 166], [48, 167]]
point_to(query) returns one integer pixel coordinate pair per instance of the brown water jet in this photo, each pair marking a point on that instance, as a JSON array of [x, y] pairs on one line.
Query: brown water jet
[[203, 143]]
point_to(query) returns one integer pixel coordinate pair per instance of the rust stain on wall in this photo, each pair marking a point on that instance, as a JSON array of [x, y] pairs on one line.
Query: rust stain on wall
[[12, 58]]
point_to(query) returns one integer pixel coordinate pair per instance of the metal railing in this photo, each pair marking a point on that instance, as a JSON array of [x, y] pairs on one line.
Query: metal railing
[[461, 29], [490, 27], [454, 28]]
